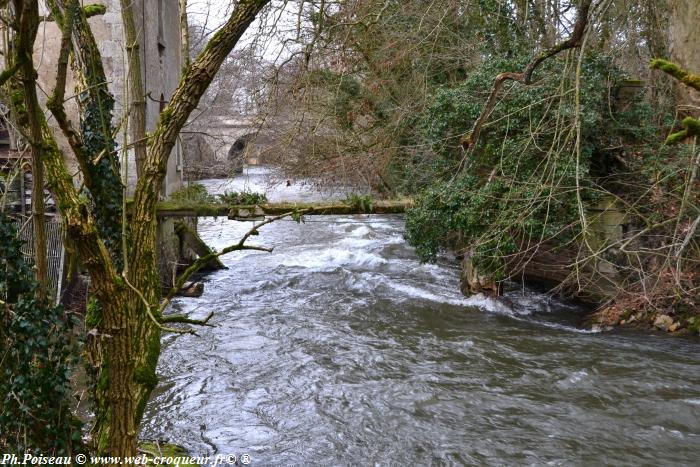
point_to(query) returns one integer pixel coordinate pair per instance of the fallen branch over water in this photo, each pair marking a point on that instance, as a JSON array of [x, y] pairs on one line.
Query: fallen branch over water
[[171, 209]]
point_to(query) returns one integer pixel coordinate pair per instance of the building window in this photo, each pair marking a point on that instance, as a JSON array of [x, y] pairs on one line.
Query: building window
[[161, 22]]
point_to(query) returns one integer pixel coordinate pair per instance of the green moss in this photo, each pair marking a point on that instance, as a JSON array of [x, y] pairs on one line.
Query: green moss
[[165, 116], [200, 209], [677, 72], [103, 382], [691, 127], [93, 313], [94, 9], [146, 376]]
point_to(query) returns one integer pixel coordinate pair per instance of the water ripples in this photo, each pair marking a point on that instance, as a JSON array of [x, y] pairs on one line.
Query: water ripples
[[341, 348]]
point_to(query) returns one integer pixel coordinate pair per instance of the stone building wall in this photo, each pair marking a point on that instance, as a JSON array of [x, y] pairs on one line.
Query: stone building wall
[[158, 30]]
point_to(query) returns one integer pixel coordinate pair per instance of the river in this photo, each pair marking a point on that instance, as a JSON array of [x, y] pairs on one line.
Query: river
[[341, 348]]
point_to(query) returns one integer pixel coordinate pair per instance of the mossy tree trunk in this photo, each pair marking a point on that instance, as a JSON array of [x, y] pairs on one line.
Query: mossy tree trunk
[[23, 83], [127, 337], [685, 49]]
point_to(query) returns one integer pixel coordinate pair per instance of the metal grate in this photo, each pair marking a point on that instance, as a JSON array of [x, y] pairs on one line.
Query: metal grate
[[55, 255]]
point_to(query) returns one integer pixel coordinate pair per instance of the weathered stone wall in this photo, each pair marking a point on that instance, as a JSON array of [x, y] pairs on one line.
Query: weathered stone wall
[[158, 30], [200, 159]]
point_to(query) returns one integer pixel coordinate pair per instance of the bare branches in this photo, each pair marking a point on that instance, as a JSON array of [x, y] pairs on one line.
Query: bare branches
[[56, 102], [525, 77]]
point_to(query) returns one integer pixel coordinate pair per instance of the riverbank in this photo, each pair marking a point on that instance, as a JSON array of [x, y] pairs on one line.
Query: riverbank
[[639, 312]]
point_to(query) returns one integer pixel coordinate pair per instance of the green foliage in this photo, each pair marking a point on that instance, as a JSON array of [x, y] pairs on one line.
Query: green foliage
[[360, 202], [36, 360], [194, 193], [346, 91], [520, 184], [298, 217], [102, 167], [243, 198]]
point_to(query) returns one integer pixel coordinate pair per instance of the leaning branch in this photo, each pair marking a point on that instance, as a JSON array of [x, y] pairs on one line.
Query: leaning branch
[[185, 320], [55, 103], [685, 77], [235, 247], [470, 139]]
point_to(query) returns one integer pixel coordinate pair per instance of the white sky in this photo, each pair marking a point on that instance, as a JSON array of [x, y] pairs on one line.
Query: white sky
[[280, 25]]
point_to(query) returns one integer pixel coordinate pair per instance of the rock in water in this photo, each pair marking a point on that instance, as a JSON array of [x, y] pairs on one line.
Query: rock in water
[[663, 322], [473, 282], [191, 289]]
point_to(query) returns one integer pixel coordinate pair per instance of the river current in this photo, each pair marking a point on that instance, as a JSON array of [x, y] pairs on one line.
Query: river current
[[341, 348]]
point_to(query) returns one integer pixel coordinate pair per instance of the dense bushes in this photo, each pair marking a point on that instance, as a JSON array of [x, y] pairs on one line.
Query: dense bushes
[[196, 194], [526, 182]]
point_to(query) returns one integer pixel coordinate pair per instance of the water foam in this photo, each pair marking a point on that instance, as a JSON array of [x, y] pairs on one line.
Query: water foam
[[333, 258]]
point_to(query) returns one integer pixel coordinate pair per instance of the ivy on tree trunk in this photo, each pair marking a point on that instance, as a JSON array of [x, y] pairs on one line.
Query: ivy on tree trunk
[[124, 329]]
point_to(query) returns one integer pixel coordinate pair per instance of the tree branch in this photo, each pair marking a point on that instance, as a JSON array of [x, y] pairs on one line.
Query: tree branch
[[470, 139], [147, 307], [200, 262], [93, 9], [55, 103], [685, 77], [186, 320]]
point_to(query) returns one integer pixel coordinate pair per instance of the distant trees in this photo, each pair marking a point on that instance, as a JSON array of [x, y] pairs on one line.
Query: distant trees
[[364, 70], [382, 93]]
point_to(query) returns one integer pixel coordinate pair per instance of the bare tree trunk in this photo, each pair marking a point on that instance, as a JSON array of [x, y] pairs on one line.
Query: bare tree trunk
[[26, 112], [685, 49], [184, 35], [136, 91]]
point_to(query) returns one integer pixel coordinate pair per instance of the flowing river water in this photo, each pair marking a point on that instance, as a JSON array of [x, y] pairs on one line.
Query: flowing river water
[[341, 348]]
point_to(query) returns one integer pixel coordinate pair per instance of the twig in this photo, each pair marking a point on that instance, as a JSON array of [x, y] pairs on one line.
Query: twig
[[150, 313], [235, 247], [185, 320]]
